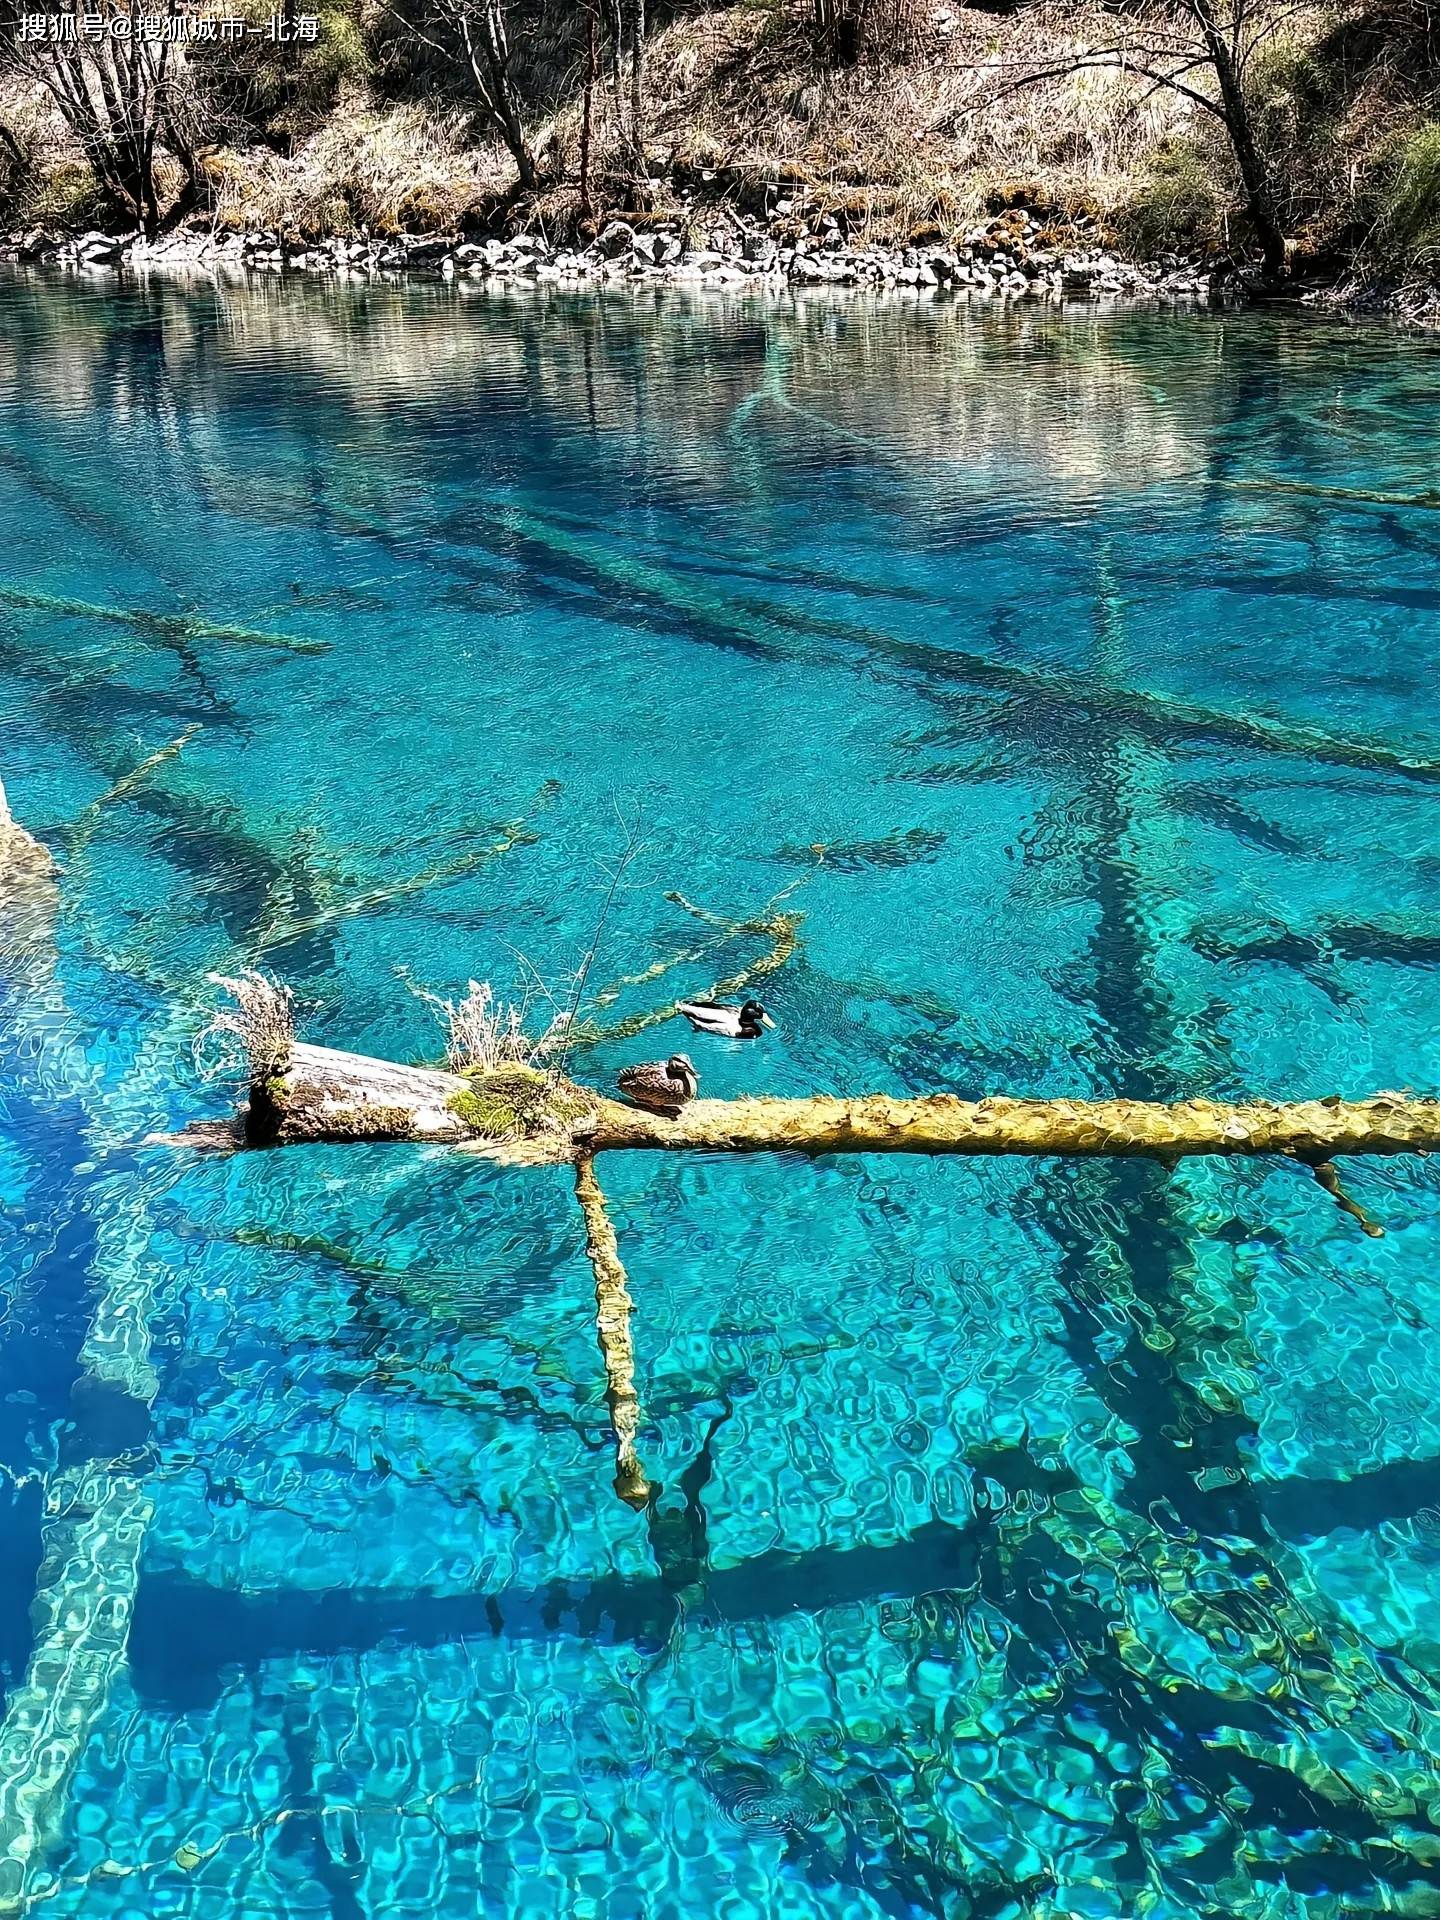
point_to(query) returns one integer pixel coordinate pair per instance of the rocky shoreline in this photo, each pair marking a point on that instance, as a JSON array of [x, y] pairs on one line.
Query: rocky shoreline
[[1011, 255], [1406, 303]]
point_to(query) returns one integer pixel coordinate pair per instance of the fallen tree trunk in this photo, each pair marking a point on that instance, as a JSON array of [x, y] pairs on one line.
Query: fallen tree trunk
[[1308, 1130], [95, 1508], [171, 629], [525, 1115]]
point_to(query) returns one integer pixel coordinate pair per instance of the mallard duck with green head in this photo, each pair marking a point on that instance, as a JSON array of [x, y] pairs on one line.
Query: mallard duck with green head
[[730, 1023]]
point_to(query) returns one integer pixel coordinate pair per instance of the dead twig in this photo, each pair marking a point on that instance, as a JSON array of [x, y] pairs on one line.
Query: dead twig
[[1325, 1172]]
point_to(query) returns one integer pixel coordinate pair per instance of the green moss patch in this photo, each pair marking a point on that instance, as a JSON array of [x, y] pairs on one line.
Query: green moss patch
[[512, 1103], [370, 1122]]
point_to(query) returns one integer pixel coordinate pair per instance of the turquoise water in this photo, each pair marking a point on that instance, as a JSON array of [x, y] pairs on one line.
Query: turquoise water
[[1034, 1538]]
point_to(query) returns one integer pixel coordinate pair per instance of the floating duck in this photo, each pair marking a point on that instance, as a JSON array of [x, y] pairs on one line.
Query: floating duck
[[665, 1086], [731, 1023]]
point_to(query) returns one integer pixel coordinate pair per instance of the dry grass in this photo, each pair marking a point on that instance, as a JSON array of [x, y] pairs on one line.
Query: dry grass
[[57, 184], [894, 149], [483, 1032], [251, 1039], [377, 169], [915, 149]]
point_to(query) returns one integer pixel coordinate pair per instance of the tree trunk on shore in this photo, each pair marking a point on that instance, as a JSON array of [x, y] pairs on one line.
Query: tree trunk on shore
[[485, 38], [587, 111], [1170, 47], [1223, 53]]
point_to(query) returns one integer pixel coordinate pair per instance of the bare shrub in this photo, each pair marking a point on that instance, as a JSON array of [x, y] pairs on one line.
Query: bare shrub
[[474, 35], [281, 92], [254, 1037], [483, 1032], [129, 100]]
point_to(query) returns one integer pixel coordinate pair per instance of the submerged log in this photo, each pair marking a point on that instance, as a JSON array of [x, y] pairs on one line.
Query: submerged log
[[613, 1307], [29, 903], [522, 1114], [771, 631], [170, 629]]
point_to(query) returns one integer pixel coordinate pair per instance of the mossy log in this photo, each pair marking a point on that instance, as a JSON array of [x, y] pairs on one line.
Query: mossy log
[[522, 1114], [1311, 1131]]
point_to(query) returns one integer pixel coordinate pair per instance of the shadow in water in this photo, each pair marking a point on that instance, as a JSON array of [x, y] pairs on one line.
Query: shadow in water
[[188, 1636]]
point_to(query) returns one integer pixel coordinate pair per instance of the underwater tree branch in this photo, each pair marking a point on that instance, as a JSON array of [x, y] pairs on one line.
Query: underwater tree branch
[[776, 633], [168, 628], [782, 930], [1329, 1179], [88, 825], [613, 1306]]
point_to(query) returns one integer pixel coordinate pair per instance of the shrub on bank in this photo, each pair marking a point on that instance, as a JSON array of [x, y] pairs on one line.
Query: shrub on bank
[[65, 195], [279, 94], [1179, 209], [1405, 193]]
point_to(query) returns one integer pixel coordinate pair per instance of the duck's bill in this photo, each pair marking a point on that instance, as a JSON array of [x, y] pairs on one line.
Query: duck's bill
[[766, 1021]]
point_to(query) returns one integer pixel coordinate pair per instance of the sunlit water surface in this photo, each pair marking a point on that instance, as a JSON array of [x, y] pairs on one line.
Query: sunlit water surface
[[1034, 1538]]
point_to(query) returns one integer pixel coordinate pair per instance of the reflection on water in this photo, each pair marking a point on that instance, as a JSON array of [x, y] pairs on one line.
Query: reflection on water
[[1032, 701]]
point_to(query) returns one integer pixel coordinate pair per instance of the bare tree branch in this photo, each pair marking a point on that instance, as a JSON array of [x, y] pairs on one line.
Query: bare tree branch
[[1199, 36], [475, 33]]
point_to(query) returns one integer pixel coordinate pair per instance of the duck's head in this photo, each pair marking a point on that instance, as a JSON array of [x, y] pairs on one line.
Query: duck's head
[[680, 1067], [753, 1016]]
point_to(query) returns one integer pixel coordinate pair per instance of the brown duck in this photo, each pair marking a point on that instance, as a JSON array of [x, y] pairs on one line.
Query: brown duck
[[665, 1086]]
